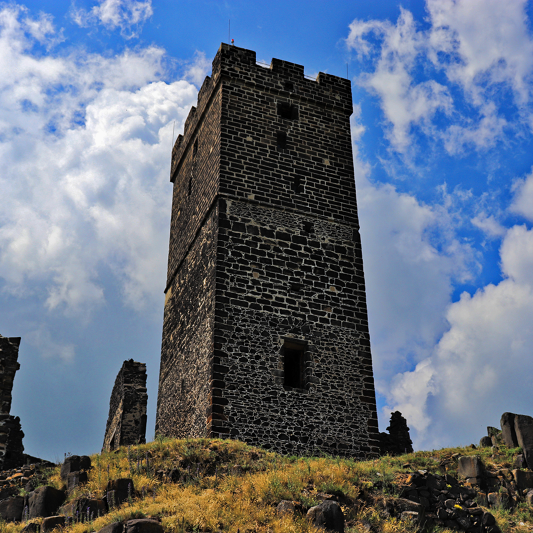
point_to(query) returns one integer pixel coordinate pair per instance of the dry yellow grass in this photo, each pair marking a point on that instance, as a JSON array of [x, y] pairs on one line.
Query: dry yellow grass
[[227, 486]]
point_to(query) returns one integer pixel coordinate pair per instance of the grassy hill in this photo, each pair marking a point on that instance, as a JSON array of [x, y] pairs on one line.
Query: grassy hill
[[210, 485]]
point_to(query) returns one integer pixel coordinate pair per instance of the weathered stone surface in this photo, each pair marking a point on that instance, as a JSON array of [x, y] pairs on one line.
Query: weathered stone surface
[[523, 426], [265, 283], [11, 509], [143, 525], [508, 430], [523, 479], [485, 442], [51, 522], [11, 435], [78, 508], [328, 515], [519, 461], [529, 497], [74, 464], [403, 504], [32, 527], [45, 501], [470, 466], [76, 478], [126, 423], [114, 527], [119, 490]]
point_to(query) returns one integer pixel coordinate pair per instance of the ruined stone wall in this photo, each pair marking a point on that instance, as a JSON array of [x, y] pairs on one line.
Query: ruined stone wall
[[126, 424], [280, 259], [11, 435]]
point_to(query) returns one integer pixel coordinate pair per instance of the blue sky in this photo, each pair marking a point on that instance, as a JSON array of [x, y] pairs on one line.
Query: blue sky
[[92, 94]]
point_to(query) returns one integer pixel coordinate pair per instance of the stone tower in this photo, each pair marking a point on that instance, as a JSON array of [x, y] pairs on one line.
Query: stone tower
[[265, 335]]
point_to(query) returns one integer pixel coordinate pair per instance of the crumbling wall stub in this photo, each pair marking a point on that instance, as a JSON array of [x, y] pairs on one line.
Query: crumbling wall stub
[[11, 435], [126, 424]]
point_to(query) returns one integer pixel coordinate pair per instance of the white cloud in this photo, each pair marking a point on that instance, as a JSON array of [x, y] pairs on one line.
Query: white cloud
[[523, 197], [411, 257], [481, 46], [405, 103], [85, 144], [481, 43], [122, 14], [486, 348], [49, 348], [198, 68], [488, 225]]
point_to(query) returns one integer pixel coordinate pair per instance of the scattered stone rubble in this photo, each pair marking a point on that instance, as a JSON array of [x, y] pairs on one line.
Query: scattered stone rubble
[[126, 424], [397, 441]]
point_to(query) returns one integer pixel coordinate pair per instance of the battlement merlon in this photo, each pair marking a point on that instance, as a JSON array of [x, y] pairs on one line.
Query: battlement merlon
[[282, 78]]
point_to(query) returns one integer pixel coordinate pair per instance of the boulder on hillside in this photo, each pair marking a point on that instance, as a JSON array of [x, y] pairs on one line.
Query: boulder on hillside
[[51, 522], [485, 442], [143, 525], [118, 491], [523, 426], [11, 509], [470, 467], [328, 515], [523, 479], [45, 501], [508, 430], [74, 463]]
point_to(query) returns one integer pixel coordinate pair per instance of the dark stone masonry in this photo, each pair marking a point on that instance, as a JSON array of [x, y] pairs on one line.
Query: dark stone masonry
[[11, 435], [126, 424], [265, 335]]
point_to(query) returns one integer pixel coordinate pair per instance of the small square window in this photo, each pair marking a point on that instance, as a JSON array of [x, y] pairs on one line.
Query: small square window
[[294, 364], [288, 111], [289, 86]]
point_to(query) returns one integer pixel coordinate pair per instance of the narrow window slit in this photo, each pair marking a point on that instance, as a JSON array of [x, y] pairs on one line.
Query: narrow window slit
[[281, 140], [297, 186], [294, 364]]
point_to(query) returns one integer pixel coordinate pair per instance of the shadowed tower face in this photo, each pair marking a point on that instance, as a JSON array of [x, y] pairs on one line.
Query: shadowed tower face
[[265, 335]]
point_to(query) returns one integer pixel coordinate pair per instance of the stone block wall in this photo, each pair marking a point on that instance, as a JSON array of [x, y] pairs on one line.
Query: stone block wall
[[265, 260], [11, 435], [126, 424]]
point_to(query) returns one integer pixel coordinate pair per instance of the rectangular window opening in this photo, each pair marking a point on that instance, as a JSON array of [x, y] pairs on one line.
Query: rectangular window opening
[[308, 227], [195, 148], [190, 186], [281, 140], [294, 364], [289, 86], [288, 111]]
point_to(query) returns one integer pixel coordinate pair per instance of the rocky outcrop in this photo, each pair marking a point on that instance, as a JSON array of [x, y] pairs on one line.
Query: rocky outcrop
[[126, 424], [11, 435], [397, 441]]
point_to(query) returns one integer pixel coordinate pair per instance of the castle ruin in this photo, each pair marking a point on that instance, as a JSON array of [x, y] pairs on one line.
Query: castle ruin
[[126, 423], [265, 335], [11, 435]]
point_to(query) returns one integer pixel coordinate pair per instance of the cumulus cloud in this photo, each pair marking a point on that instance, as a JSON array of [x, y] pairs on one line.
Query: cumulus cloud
[[412, 256], [85, 144], [126, 15], [404, 102], [523, 197], [480, 47], [486, 347]]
